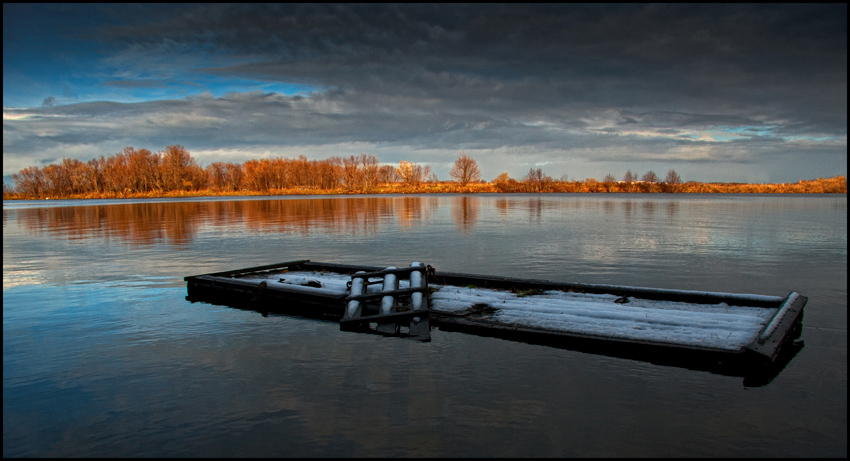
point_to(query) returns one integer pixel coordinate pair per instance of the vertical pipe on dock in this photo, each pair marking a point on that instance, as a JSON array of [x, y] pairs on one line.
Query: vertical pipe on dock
[[418, 301], [357, 288], [417, 281], [387, 302]]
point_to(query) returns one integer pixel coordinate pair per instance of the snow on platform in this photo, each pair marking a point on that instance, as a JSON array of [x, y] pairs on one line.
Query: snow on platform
[[716, 326]]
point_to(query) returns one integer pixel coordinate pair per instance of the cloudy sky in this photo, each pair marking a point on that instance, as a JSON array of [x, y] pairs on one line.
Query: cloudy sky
[[752, 93]]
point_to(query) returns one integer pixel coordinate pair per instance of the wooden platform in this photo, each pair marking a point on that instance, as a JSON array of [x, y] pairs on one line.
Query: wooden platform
[[682, 328]]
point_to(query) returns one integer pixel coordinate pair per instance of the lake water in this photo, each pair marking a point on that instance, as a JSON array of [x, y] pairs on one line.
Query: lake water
[[103, 356]]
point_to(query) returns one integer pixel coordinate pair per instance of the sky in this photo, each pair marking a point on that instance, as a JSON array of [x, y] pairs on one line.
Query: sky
[[719, 93]]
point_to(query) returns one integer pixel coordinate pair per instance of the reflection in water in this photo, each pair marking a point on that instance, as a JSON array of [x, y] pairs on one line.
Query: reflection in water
[[535, 210], [354, 216], [629, 209], [142, 224], [177, 223], [103, 356], [672, 209], [648, 207], [413, 210], [504, 206], [465, 211]]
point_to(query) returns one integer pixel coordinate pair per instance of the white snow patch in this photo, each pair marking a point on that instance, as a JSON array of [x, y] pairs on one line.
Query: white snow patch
[[708, 325], [718, 326]]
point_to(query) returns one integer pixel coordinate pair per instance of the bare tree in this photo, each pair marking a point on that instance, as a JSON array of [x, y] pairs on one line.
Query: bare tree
[[673, 178], [217, 174], [387, 174], [629, 177], [30, 182], [351, 172], [371, 166], [256, 175], [116, 172], [650, 177], [178, 168], [609, 181], [95, 172], [535, 180], [465, 170], [144, 169], [330, 173]]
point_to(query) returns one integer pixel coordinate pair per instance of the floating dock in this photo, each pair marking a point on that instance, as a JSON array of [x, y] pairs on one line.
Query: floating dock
[[728, 333]]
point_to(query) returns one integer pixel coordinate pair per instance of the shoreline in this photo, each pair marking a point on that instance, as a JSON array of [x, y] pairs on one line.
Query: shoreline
[[320, 193], [834, 185]]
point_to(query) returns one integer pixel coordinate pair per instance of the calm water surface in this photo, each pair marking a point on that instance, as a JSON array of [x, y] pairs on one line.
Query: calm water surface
[[103, 356]]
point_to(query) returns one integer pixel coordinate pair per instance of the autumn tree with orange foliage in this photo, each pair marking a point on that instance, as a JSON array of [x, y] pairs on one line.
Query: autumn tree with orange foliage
[[412, 174], [224, 176]]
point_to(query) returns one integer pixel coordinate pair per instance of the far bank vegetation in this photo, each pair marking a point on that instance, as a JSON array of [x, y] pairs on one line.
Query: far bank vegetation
[[173, 172]]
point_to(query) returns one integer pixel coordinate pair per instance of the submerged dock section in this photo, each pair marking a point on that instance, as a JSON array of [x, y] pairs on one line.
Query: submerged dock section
[[634, 322]]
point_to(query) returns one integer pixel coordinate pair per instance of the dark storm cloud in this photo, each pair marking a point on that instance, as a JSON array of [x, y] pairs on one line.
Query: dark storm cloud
[[515, 60], [698, 48], [523, 84]]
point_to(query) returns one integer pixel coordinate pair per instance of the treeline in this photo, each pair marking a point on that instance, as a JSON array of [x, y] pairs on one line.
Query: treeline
[[134, 172], [172, 171], [537, 181]]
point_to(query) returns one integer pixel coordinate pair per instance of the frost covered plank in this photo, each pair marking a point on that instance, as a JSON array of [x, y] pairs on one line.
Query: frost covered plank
[[460, 279], [719, 326], [780, 327]]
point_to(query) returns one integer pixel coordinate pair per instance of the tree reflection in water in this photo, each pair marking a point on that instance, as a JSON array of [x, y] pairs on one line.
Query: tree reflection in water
[[178, 222], [465, 211]]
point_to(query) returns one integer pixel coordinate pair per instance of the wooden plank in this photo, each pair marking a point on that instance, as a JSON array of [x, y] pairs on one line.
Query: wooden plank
[[266, 267], [484, 281], [478, 326], [252, 269], [339, 268], [779, 329], [724, 362], [247, 294], [298, 291], [404, 270]]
